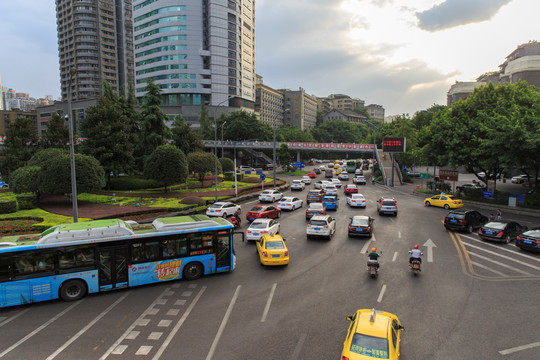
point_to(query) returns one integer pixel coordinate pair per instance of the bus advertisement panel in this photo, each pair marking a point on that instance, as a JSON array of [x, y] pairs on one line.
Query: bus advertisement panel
[[351, 166], [87, 261]]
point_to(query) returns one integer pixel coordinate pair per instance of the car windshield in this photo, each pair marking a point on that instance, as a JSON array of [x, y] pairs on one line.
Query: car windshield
[[258, 225], [357, 196], [317, 222], [532, 233], [360, 222], [388, 203], [296, 182], [286, 199], [329, 198], [370, 346], [216, 206], [257, 209], [315, 206], [271, 245], [457, 216]]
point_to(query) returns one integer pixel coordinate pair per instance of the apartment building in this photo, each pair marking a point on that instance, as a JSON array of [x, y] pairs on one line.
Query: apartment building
[[300, 109]]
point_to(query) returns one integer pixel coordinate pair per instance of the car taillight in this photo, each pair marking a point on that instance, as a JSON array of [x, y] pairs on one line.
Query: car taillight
[[248, 231], [286, 253], [217, 210], [264, 232], [325, 226], [519, 238], [351, 228], [288, 204], [480, 230], [462, 221], [500, 234], [446, 219], [308, 225], [344, 358], [265, 253], [537, 242], [395, 203], [368, 228]]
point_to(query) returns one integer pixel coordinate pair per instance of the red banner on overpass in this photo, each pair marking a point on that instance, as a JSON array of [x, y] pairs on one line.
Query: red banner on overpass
[[328, 146]]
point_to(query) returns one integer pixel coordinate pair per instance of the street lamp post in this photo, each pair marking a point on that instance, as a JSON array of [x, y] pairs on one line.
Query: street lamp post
[[72, 150], [222, 126], [274, 154], [215, 150]]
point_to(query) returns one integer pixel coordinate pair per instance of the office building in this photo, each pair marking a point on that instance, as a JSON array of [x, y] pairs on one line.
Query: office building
[[197, 51]]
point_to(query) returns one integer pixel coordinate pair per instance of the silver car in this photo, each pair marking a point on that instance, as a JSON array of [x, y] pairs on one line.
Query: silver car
[[321, 226]]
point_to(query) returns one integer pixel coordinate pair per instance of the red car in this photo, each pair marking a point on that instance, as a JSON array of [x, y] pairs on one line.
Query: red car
[[351, 189], [263, 212], [312, 174]]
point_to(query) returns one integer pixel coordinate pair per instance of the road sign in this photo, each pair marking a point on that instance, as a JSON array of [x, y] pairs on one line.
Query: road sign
[[298, 164], [262, 177], [424, 176], [451, 175], [394, 144]]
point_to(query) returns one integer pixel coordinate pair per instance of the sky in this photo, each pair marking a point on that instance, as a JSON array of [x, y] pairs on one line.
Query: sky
[[401, 54]]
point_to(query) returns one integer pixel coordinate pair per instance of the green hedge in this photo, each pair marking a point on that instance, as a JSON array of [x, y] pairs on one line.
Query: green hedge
[[229, 176], [26, 201], [125, 183], [8, 206]]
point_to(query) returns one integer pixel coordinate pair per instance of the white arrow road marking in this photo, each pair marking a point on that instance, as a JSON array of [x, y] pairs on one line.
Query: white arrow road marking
[[430, 245], [519, 348]]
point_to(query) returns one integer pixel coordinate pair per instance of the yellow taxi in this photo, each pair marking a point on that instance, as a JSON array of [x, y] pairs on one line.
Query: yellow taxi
[[272, 250], [372, 334], [444, 200], [336, 165], [338, 171]]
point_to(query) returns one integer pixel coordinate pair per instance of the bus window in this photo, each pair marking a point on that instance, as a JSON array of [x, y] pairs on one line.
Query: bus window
[[145, 251], [45, 262], [201, 244], [5, 269], [174, 247], [24, 264]]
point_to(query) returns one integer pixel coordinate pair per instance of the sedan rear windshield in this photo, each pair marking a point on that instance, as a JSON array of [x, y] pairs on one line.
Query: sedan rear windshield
[[357, 222], [456, 216], [258, 225], [389, 203], [317, 222]]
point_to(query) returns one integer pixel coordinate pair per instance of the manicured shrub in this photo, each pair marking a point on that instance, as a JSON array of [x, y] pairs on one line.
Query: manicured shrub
[[195, 200]]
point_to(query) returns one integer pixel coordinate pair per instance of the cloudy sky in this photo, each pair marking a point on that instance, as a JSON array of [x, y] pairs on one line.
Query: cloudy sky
[[401, 54]]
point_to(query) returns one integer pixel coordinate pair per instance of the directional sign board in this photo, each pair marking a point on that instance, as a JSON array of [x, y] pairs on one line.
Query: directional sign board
[[298, 164], [262, 176], [451, 175]]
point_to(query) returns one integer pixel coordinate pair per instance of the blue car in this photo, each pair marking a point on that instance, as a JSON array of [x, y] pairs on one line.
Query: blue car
[[331, 202]]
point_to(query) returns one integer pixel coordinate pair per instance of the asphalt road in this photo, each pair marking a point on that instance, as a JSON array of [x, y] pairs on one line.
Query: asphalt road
[[473, 300]]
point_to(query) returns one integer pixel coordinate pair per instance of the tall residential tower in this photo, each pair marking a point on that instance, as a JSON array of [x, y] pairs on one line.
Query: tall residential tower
[[95, 44], [197, 51]]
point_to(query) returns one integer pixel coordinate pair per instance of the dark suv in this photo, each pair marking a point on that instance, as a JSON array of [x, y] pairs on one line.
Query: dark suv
[[315, 195], [467, 220]]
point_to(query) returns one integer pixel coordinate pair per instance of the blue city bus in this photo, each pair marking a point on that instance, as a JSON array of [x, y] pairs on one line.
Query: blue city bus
[[351, 166], [72, 260]]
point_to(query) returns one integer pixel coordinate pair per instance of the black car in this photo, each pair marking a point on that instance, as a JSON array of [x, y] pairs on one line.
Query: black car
[[529, 240], [317, 170], [361, 225], [467, 220], [501, 231]]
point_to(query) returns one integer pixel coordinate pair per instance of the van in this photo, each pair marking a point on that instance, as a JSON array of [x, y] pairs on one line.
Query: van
[[328, 173]]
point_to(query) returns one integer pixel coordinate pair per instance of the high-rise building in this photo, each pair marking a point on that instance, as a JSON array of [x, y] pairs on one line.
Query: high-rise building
[[196, 51], [95, 44]]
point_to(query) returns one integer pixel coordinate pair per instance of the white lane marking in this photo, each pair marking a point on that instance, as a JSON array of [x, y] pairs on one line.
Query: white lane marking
[[268, 302], [144, 350], [399, 234], [13, 317], [223, 323], [296, 354], [39, 329], [119, 350], [133, 335], [381, 294], [155, 335], [395, 256], [488, 269], [498, 263], [519, 348], [164, 323], [178, 325], [365, 247], [141, 321], [514, 252], [88, 326], [500, 255]]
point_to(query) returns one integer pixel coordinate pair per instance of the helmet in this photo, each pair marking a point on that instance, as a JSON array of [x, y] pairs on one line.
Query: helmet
[[373, 249], [416, 246]]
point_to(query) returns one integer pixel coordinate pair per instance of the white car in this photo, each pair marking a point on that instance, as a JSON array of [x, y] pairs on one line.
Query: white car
[[260, 227], [297, 185], [343, 176], [246, 168], [520, 179], [321, 183], [330, 189], [222, 209], [270, 196], [306, 179], [290, 203], [321, 226], [356, 200], [360, 180], [336, 182]]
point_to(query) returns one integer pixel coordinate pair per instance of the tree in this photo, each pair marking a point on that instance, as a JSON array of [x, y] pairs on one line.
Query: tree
[[337, 131], [153, 130], [284, 155], [226, 164], [206, 131], [57, 133], [55, 175], [293, 133], [19, 145], [110, 133], [242, 125], [184, 137], [167, 165], [201, 163], [24, 179]]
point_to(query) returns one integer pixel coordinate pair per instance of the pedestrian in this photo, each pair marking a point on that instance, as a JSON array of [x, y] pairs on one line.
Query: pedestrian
[[491, 217], [499, 215]]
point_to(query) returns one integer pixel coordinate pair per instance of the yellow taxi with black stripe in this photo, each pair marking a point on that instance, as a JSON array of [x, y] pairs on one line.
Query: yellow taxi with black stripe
[[272, 250], [372, 334]]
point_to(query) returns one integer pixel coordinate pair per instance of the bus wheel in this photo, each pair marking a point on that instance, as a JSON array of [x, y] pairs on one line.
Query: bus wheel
[[193, 271], [72, 290]]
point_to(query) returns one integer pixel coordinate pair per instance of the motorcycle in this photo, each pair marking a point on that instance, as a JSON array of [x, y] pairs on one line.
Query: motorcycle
[[373, 268], [236, 224], [415, 266]]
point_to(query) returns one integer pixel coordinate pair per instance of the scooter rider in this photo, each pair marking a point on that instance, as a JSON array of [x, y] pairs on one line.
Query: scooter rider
[[415, 254], [373, 258], [237, 218]]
